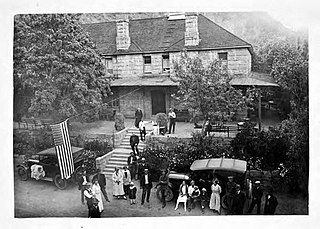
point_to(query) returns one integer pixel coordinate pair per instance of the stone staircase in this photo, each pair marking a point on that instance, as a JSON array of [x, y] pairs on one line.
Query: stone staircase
[[121, 153]]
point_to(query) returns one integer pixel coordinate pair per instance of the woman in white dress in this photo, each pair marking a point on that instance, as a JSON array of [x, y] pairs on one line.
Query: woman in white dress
[[183, 195], [97, 193], [215, 196], [117, 180]]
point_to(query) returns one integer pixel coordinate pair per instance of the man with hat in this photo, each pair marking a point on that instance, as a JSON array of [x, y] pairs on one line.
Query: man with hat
[[89, 195], [257, 193], [238, 200], [163, 183], [145, 185], [82, 180], [230, 191], [142, 166], [271, 203], [132, 164]]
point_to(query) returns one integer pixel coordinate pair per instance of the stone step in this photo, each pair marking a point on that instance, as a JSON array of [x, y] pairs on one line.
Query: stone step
[[121, 163], [120, 155], [115, 159]]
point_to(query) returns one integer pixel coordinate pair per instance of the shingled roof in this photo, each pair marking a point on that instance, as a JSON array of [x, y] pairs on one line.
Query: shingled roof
[[162, 35]]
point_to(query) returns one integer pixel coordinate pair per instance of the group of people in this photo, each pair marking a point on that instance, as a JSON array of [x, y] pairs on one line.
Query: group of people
[[123, 184], [189, 195], [92, 193], [235, 198], [140, 124]]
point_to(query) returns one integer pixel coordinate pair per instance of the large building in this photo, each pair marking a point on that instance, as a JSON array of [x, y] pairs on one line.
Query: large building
[[138, 54]]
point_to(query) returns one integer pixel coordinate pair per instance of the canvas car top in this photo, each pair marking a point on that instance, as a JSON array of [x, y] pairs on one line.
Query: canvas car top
[[52, 151], [226, 164]]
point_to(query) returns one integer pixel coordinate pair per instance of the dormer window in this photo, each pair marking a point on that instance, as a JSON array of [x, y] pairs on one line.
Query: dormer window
[[165, 63], [147, 64]]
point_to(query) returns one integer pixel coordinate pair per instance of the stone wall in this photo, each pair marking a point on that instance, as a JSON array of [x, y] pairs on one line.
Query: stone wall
[[239, 62], [142, 99]]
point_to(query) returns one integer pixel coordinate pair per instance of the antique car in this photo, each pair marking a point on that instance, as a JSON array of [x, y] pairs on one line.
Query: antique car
[[46, 162], [203, 171]]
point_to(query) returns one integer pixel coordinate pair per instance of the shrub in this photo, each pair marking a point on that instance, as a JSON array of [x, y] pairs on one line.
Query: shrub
[[119, 121], [178, 154], [162, 120], [100, 147]]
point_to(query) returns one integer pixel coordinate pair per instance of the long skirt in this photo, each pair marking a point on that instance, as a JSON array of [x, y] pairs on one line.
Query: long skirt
[[118, 189], [215, 202]]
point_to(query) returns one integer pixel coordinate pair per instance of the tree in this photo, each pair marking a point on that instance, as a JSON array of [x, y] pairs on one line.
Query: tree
[[207, 89], [55, 60]]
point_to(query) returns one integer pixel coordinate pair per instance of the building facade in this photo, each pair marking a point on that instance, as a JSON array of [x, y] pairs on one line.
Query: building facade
[[139, 54]]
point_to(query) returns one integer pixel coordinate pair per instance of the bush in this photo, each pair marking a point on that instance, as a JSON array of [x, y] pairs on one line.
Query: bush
[[100, 147], [162, 120], [119, 121], [178, 154]]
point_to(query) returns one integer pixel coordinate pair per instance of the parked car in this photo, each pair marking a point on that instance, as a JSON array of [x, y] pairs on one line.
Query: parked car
[[49, 162], [203, 171]]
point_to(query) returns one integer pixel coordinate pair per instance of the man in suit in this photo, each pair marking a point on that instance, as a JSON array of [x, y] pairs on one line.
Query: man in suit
[[142, 166], [132, 164], [138, 116], [134, 142], [82, 180], [237, 202], [257, 193], [146, 186], [102, 182], [271, 203]]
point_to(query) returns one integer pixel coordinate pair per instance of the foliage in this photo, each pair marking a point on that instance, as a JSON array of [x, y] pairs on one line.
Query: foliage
[[178, 154], [56, 60], [100, 147], [296, 128], [263, 150], [206, 89], [28, 143], [162, 120], [119, 121], [89, 161]]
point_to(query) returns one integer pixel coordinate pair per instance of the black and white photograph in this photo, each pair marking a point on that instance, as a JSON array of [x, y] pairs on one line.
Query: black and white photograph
[[179, 114]]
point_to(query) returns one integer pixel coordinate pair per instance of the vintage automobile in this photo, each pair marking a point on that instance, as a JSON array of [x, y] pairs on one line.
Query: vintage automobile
[[47, 161], [203, 171]]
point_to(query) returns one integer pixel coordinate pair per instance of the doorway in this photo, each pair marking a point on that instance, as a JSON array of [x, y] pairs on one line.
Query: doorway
[[158, 101]]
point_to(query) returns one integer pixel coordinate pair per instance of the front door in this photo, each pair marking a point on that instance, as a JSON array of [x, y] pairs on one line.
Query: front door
[[158, 100]]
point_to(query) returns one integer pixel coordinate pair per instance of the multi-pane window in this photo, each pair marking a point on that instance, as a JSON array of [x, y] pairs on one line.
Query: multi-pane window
[[109, 65], [147, 64], [223, 56], [165, 64]]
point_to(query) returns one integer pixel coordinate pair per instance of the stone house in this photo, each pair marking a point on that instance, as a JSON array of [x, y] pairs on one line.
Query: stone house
[[138, 55]]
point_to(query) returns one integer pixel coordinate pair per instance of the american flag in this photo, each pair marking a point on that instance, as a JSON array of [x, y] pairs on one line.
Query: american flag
[[63, 149]]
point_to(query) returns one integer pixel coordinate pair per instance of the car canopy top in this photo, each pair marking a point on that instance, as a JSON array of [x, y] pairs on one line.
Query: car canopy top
[[224, 164], [52, 151]]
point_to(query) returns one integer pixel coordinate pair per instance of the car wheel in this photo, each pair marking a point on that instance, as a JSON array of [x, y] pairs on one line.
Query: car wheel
[[224, 202], [77, 173], [168, 193], [60, 183], [23, 174]]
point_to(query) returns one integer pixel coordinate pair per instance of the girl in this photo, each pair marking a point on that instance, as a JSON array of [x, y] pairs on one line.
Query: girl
[[182, 198], [215, 196], [132, 193]]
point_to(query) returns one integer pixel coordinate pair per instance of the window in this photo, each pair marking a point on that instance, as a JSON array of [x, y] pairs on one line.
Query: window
[[147, 64], [165, 64], [109, 65], [223, 56]]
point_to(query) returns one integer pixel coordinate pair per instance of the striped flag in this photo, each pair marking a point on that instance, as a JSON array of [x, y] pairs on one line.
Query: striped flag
[[63, 149]]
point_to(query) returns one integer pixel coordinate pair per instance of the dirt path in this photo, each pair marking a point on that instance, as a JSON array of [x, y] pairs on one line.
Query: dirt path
[[42, 199]]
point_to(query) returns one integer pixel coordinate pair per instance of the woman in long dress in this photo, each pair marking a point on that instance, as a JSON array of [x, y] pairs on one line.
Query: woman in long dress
[[215, 196], [97, 193], [183, 195], [117, 180]]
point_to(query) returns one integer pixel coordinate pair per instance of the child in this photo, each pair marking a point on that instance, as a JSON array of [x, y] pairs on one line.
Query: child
[[132, 193], [183, 195], [203, 199]]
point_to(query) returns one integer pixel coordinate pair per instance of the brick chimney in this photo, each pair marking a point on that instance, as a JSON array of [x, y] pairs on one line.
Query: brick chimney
[[191, 35], [123, 37]]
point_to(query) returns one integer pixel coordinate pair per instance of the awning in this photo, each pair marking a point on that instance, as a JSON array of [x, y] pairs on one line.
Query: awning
[[255, 79], [144, 81], [226, 164]]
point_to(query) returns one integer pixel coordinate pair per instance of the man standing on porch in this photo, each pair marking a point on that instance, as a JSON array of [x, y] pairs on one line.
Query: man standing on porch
[[138, 116], [172, 120]]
